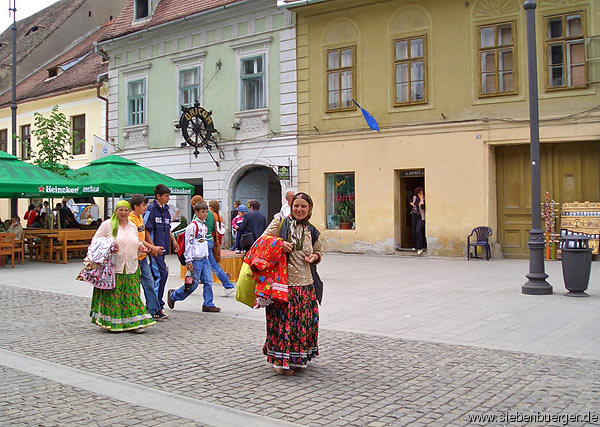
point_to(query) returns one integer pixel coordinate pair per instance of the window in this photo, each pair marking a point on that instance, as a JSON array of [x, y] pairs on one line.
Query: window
[[565, 51], [189, 86], [4, 140], [136, 96], [340, 200], [25, 142], [141, 9], [409, 70], [496, 53], [340, 78], [78, 126], [252, 77]]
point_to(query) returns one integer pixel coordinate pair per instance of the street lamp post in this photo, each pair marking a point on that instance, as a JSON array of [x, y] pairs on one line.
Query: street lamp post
[[536, 285], [13, 103]]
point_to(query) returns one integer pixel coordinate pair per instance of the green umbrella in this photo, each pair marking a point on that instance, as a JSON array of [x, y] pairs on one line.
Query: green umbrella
[[113, 174], [21, 179]]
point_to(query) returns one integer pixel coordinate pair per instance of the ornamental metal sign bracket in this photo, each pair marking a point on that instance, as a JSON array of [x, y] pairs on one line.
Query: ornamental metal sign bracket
[[197, 129]]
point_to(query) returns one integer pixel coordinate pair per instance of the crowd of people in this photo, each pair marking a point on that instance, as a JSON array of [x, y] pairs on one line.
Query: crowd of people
[[129, 249], [141, 237]]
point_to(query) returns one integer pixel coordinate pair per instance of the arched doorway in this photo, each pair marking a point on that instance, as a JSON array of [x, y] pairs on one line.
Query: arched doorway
[[261, 184]]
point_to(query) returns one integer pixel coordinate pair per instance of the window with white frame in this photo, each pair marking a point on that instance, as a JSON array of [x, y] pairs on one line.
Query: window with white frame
[[142, 9], [252, 83], [189, 86], [136, 102], [340, 78]]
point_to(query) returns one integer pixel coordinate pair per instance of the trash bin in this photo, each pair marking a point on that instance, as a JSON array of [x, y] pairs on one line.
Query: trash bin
[[576, 264]]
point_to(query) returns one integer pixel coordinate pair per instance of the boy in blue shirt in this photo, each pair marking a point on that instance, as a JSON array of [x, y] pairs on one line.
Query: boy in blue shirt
[[158, 224], [196, 261]]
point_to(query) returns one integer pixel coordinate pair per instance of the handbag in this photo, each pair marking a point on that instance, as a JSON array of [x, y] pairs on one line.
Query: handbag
[[246, 285], [246, 240]]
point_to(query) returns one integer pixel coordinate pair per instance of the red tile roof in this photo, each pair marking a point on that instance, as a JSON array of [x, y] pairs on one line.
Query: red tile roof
[[166, 11], [81, 75]]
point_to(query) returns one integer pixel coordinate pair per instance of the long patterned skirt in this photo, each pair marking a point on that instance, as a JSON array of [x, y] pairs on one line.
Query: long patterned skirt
[[293, 329], [120, 309]]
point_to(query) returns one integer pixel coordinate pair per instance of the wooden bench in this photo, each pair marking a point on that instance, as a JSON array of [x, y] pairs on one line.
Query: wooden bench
[[32, 237], [71, 241]]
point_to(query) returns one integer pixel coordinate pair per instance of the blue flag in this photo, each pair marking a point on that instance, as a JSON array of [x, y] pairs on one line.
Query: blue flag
[[368, 117]]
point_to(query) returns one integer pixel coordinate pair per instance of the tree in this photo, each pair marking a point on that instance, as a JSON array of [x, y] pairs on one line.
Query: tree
[[54, 141]]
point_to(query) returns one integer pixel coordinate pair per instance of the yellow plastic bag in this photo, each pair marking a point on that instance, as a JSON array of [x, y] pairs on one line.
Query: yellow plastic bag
[[245, 286]]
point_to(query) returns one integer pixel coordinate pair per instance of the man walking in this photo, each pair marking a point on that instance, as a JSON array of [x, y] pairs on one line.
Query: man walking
[[138, 208], [158, 223], [196, 260], [254, 223]]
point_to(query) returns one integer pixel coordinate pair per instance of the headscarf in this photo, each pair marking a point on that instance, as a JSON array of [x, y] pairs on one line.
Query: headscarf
[[114, 220]]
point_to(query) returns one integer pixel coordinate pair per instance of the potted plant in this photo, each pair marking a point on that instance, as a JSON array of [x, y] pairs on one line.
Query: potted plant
[[345, 214]]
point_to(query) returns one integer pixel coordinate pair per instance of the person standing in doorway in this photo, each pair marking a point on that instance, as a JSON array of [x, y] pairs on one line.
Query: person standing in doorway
[[158, 223], [138, 208], [287, 206], [419, 230], [415, 216]]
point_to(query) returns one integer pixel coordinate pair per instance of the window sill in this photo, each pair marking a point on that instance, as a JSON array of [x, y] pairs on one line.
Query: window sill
[[135, 128], [564, 92], [264, 112], [499, 99]]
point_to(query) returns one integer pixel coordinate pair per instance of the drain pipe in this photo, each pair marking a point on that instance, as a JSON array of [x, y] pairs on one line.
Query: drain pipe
[[99, 79]]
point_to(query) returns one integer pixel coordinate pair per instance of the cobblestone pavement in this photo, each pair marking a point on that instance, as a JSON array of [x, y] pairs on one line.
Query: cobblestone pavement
[[30, 400], [357, 380]]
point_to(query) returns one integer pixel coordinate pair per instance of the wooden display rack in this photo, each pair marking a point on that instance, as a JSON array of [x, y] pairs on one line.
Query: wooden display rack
[[584, 218]]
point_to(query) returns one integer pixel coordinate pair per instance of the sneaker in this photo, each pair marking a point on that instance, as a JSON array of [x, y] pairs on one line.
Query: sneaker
[[170, 302], [420, 251], [159, 316], [237, 251], [213, 309], [228, 291]]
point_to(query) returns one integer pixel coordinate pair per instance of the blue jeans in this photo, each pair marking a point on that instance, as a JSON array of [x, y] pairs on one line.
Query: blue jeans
[[161, 274], [201, 273], [152, 304], [217, 268]]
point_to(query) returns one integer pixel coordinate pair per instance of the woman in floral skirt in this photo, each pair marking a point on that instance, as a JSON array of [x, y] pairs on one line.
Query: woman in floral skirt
[[293, 327], [121, 309]]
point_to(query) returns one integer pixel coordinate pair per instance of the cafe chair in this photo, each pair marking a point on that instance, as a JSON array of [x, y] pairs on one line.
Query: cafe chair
[[481, 236], [7, 247], [20, 250]]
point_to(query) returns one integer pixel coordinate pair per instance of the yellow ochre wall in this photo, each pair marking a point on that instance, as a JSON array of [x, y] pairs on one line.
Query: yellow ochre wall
[[452, 135], [71, 104]]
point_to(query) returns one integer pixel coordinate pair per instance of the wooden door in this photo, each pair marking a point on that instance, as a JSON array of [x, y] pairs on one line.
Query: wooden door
[[513, 185], [569, 172]]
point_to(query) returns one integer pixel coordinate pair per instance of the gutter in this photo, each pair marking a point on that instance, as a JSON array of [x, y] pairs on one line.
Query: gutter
[[100, 52], [99, 79], [286, 5]]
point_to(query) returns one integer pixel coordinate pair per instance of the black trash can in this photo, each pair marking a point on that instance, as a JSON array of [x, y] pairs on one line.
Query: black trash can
[[576, 264]]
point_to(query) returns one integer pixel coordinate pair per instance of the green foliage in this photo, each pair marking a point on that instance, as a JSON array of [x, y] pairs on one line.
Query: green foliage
[[345, 211], [54, 141]]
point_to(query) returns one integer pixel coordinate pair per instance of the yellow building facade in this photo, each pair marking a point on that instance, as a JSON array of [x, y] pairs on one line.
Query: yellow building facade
[[447, 82], [82, 105]]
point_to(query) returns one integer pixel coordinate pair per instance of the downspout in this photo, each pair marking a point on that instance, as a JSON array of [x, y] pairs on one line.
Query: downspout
[[99, 79]]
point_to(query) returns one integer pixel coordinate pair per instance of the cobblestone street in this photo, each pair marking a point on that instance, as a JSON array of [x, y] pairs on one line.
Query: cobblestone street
[[358, 379]]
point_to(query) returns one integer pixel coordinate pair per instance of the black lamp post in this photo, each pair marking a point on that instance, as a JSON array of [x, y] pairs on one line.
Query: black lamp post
[[536, 285], [13, 103]]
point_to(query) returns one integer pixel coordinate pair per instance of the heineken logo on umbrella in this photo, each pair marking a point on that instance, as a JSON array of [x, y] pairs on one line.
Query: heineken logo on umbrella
[[197, 128], [53, 189]]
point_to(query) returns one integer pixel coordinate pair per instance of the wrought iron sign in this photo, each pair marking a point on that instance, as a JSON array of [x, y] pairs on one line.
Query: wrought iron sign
[[197, 128]]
